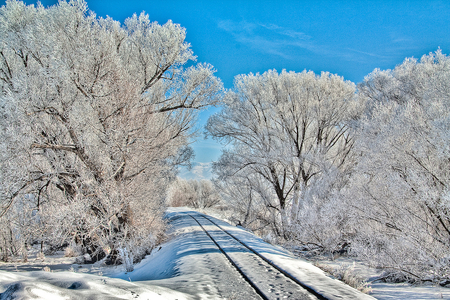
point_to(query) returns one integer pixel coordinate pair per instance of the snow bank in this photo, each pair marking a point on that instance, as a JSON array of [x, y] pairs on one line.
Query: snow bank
[[70, 285]]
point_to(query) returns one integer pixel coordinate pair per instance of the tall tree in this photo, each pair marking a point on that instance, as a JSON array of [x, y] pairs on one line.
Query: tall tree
[[400, 190], [95, 118], [288, 130]]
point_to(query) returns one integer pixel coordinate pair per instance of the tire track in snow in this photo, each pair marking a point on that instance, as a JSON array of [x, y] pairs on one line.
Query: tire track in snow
[[309, 289], [269, 281]]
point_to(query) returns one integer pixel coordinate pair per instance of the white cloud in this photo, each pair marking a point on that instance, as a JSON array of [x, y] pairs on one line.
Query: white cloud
[[202, 170], [199, 170]]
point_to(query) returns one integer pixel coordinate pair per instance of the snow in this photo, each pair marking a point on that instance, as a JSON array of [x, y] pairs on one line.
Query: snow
[[380, 290], [190, 263], [182, 260], [69, 285], [302, 270], [187, 266], [389, 291]]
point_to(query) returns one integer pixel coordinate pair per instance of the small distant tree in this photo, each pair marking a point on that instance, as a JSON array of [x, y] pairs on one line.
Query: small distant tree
[[193, 193], [95, 118], [181, 193]]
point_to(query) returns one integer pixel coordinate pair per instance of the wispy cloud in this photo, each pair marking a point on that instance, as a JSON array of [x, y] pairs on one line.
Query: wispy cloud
[[237, 28], [269, 38], [277, 40], [286, 31], [368, 53]]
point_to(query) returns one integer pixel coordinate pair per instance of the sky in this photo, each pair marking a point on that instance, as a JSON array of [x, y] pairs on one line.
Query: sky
[[348, 38]]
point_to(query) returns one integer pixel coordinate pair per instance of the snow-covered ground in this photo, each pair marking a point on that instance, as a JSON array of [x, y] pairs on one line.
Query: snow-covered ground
[[388, 291], [187, 266], [65, 279], [191, 263]]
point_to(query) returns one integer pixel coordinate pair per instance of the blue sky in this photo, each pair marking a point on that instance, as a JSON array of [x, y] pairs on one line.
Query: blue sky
[[350, 38]]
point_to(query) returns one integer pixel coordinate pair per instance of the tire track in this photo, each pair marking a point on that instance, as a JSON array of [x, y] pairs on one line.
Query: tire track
[[268, 281]]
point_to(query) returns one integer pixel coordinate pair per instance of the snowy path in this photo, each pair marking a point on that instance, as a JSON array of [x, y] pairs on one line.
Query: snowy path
[[264, 278], [191, 263]]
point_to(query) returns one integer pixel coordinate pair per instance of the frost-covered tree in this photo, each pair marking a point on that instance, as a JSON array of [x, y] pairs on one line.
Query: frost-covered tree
[[193, 193], [181, 193], [291, 139], [400, 192], [247, 198], [95, 118]]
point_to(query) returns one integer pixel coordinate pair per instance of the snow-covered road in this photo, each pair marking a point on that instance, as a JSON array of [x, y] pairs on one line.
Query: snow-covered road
[[188, 266], [264, 278]]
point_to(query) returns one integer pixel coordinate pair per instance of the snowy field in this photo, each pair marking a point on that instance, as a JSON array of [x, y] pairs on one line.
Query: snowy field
[[187, 266]]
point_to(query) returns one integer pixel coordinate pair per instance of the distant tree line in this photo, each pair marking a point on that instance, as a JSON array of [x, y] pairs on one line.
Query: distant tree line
[[197, 194]]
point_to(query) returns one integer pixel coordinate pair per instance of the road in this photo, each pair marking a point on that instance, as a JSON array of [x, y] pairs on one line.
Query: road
[[265, 279], [207, 258]]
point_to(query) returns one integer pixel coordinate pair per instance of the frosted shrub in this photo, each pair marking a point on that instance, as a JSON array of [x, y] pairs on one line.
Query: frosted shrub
[[346, 273], [323, 222], [72, 250], [46, 269]]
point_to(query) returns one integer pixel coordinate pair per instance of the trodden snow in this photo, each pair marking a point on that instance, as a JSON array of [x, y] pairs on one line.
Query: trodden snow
[[188, 266]]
